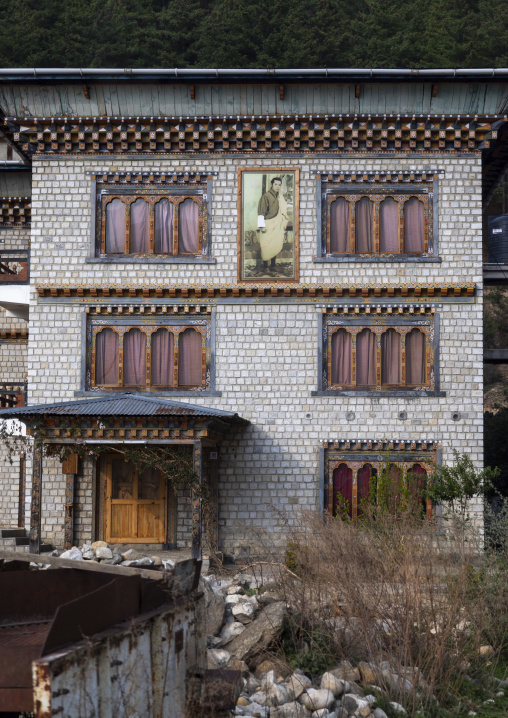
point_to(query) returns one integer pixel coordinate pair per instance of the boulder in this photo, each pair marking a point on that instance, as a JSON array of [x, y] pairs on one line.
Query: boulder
[[259, 634], [278, 667], [367, 672], [297, 684], [314, 699], [346, 672], [259, 697], [276, 694], [268, 597], [138, 562], [290, 710], [168, 564], [230, 633], [351, 703], [73, 553], [99, 544], [215, 608], [398, 708], [321, 713], [243, 612], [102, 552], [157, 561], [236, 665], [330, 683], [115, 561], [379, 713], [234, 598], [256, 711], [234, 588], [217, 658], [486, 652], [129, 555], [87, 551]]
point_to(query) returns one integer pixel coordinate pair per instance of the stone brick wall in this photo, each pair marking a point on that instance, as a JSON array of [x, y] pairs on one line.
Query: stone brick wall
[[266, 354]]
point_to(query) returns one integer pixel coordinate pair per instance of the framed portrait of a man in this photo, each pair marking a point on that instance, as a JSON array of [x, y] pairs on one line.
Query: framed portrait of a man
[[268, 224]]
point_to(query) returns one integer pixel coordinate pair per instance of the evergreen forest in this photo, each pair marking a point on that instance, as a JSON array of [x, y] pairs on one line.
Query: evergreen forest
[[253, 33]]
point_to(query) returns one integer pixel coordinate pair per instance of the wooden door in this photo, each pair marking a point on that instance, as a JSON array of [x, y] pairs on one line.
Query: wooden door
[[135, 506]]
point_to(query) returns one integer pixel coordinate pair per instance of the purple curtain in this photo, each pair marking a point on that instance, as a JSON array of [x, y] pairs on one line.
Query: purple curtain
[[389, 225], [106, 358], [366, 358], [415, 358], [339, 226], [341, 357], [140, 214], [364, 226], [390, 357], [188, 227], [134, 358], [343, 487], [115, 227], [163, 343], [363, 478], [164, 227], [413, 225], [189, 358]]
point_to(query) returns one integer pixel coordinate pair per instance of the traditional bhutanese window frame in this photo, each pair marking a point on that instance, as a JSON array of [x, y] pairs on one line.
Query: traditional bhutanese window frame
[[177, 325], [400, 186], [350, 319], [357, 454], [128, 189]]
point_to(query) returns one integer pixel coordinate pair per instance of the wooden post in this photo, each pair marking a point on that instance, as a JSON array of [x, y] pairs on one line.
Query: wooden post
[[196, 503], [35, 510], [21, 491], [70, 469], [213, 479]]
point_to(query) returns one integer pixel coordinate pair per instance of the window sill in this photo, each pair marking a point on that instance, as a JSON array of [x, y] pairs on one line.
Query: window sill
[[417, 393], [331, 258], [177, 259], [165, 394]]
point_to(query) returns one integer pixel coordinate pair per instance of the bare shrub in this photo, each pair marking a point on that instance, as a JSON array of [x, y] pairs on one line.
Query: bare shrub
[[392, 590]]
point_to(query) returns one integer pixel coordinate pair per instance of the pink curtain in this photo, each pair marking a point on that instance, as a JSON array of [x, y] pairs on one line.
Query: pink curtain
[[343, 487], [389, 225], [339, 226], [134, 358], [164, 227], [189, 358], [341, 357], [413, 225], [364, 226], [163, 343], [366, 358], [106, 358], [140, 213], [390, 357], [415, 358], [363, 478], [188, 227], [115, 227]]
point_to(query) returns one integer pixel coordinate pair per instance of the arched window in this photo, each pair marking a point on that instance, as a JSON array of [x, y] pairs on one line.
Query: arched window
[[341, 357], [188, 227], [134, 358], [364, 222], [163, 240], [366, 358], [106, 358], [140, 213], [339, 226], [343, 490], [389, 225], [390, 357], [413, 226], [162, 358], [115, 227], [189, 358], [416, 365], [366, 474]]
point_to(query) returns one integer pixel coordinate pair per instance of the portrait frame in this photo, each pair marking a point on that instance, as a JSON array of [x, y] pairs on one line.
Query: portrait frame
[[255, 263]]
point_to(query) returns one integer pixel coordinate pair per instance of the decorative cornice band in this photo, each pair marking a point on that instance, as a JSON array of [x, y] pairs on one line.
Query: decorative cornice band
[[311, 292], [15, 211], [379, 445], [14, 336], [235, 133]]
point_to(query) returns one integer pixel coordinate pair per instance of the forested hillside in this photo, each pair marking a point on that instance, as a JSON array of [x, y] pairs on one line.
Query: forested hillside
[[253, 33]]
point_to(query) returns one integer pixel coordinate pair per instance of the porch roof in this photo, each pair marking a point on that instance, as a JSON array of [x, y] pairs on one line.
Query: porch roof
[[120, 405]]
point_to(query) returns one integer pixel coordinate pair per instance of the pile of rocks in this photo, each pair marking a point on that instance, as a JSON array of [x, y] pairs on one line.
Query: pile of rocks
[[115, 555], [241, 625]]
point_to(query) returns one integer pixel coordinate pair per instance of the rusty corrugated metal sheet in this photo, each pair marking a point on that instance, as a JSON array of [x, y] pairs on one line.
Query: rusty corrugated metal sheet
[[121, 405]]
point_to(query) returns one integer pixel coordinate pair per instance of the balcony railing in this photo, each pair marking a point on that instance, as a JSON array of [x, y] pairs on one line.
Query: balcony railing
[[13, 394], [14, 266]]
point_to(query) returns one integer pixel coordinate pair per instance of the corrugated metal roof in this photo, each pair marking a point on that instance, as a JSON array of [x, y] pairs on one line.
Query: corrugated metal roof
[[121, 405]]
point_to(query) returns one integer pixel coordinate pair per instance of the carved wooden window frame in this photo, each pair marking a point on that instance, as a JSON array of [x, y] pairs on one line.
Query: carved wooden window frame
[[332, 324], [334, 462], [148, 327], [423, 192], [152, 195]]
